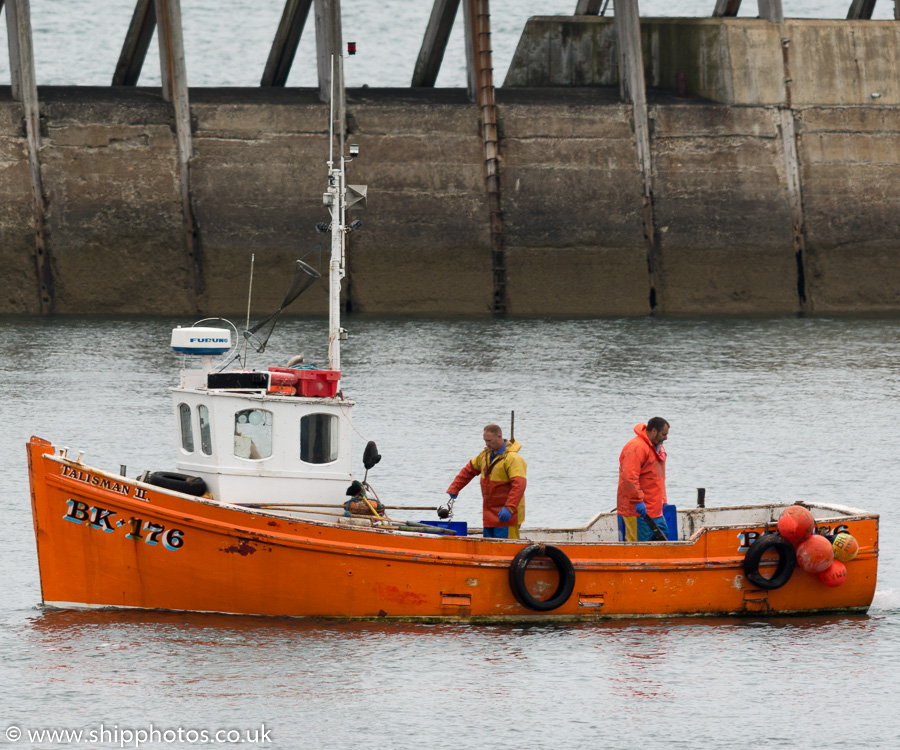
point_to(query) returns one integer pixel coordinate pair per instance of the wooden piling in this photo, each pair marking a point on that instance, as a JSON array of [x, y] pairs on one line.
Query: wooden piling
[[284, 47], [329, 41], [726, 8], [633, 89], [24, 89], [771, 10], [434, 44], [792, 180], [862, 9], [481, 90], [175, 91], [795, 200], [588, 7], [15, 69], [136, 44]]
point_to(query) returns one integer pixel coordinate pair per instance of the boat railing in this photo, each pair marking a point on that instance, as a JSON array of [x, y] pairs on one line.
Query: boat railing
[[693, 522]]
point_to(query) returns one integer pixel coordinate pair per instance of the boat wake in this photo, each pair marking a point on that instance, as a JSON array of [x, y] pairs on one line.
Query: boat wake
[[885, 601]]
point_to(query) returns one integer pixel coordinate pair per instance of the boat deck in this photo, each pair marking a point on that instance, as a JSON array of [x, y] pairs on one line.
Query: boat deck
[[603, 527]]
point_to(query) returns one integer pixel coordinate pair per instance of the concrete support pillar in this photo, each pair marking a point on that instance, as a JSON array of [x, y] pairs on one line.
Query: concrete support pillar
[[24, 89], [175, 90], [440, 24]]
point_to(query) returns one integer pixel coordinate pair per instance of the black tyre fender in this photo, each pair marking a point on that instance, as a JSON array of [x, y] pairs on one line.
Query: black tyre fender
[[563, 566], [170, 480], [787, 561]]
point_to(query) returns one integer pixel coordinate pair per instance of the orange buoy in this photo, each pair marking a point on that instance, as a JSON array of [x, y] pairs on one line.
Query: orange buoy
[[796, 523], [845, 547], [834, 575], [814, 554]]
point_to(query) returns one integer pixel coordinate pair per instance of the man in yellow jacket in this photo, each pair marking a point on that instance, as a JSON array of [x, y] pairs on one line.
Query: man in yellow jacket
[[503, 481]]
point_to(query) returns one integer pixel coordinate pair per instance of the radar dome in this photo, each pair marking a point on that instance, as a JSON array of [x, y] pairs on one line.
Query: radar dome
[[201, 341]]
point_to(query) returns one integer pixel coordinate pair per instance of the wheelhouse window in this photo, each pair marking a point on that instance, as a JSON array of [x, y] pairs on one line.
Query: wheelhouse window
[[253, 433], [187, 431], [318, 438], [205, 432]]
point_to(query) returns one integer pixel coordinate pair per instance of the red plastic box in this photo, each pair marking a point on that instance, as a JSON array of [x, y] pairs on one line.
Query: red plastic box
[[318, 383]]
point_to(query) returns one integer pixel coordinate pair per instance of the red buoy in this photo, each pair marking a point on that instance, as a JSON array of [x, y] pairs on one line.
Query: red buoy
[[834, 575], [796, 523], [814, 554], [845, 547]]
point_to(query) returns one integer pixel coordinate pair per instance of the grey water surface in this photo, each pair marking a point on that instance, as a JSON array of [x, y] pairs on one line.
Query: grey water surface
[[761, 409]]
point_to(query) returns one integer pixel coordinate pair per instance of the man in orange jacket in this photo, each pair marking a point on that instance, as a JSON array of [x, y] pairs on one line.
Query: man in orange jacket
[[503, 481], [642, 481]]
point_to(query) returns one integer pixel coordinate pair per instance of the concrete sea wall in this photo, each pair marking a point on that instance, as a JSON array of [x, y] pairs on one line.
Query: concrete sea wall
[[728, 60], [720, 156], [571, 188]]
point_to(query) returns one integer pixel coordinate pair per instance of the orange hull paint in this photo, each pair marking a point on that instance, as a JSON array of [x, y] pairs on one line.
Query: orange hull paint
[[196, 555]]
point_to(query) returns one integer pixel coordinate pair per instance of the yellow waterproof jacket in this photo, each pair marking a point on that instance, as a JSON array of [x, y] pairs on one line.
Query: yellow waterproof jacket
[[502, 483]]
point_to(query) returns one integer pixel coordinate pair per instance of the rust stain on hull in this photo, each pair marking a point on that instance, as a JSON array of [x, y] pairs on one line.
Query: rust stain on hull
[[243, 549]]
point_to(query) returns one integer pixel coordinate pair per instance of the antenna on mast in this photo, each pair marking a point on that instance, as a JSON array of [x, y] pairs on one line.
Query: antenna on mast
[[331, 117], [334, 199], [249, 296], [338, 198]]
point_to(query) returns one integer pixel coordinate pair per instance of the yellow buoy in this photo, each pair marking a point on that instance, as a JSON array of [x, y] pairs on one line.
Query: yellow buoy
[[845, 547]]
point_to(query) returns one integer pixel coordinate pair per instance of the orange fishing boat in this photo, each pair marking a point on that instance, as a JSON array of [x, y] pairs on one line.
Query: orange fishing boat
[[256, 519], [108, 541]]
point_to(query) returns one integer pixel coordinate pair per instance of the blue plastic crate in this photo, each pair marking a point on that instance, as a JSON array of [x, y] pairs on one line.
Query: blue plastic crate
[[460, 528], [670, 513]]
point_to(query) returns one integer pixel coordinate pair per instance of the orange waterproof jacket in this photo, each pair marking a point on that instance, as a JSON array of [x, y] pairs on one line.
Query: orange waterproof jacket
[[502, 483], [642, 475]]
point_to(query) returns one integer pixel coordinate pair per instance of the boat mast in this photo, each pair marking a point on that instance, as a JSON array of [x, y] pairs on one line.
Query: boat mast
[[336, 200]]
